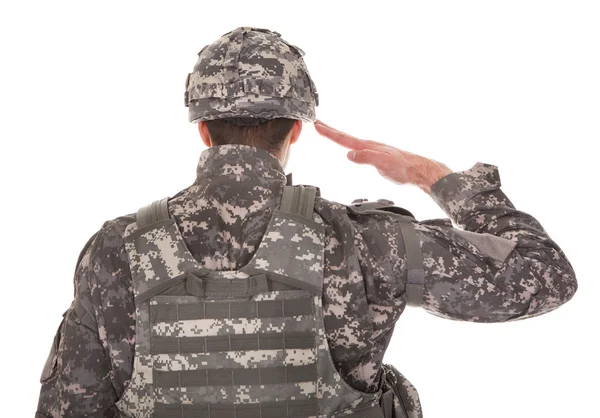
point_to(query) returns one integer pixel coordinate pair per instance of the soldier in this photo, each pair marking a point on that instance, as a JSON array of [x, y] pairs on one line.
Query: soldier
[[244, 295]]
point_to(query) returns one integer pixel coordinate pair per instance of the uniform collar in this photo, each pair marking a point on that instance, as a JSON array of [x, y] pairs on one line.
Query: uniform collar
[[240, 163]]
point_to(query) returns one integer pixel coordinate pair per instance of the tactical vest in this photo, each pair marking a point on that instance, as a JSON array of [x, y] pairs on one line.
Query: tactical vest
[[247, 343]]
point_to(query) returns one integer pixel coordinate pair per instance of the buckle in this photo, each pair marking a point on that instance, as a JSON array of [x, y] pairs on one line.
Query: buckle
[[194, 285], [385, 202], [389, 375]]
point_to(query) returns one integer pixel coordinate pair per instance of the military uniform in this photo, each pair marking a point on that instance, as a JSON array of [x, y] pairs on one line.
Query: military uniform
[[500, 266]]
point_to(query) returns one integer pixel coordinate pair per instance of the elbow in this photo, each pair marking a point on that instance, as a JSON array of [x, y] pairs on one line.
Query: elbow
[[555, 287], [562, 285], [569, 288]]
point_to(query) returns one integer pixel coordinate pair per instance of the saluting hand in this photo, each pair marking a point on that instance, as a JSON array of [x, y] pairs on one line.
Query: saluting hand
[[398, 166]]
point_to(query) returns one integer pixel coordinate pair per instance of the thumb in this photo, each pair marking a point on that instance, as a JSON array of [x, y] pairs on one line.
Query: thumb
[[364, 156]]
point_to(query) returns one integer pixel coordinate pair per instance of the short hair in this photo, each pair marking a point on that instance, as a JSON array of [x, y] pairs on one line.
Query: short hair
[[263, 133]]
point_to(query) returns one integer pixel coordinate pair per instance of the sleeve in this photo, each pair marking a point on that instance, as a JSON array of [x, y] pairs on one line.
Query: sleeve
[[76, 377], [500, 265]]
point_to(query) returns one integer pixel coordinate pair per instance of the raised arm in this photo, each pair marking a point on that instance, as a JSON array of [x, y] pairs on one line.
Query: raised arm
[[500, 265]]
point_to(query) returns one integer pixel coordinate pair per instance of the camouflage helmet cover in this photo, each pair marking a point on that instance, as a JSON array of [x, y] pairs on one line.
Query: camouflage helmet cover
[[250, 72]]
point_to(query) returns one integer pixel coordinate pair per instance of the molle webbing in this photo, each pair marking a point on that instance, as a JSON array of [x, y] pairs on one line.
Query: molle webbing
[[233, 309], [415, 278], [154, 212], [291, 409], [258, 357], [236, 377], [215, 343]]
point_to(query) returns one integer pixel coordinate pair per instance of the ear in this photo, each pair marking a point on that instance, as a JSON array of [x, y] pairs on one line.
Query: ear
[[203, 129], [295, 132]]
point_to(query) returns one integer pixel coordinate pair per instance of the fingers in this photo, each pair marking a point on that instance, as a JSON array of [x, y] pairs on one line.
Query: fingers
[[339, 137], [369, 156], [345, 139]]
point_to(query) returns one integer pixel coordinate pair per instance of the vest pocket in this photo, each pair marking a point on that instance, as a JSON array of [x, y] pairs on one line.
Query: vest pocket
[[49, 370]]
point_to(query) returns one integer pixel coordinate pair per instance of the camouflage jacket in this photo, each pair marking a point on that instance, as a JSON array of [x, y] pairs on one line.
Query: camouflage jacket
[[500, 265]]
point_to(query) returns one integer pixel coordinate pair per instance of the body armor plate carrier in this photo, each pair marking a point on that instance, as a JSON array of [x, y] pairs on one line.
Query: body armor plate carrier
[[247, 343]]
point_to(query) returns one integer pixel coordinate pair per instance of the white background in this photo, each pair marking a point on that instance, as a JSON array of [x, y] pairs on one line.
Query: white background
[[93, 126]]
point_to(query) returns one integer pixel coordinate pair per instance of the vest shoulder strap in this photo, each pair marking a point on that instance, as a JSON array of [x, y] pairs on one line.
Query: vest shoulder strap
[[299, 199], [415, 277], [415, 274], [154, 212]]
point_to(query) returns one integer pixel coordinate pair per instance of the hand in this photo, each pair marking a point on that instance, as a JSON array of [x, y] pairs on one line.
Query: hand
[[398, 166]]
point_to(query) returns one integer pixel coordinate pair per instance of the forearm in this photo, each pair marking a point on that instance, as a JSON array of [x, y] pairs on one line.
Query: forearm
[[474, 201]]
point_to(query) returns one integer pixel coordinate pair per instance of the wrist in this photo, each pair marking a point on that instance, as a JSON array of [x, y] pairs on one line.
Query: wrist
[[435, 174]]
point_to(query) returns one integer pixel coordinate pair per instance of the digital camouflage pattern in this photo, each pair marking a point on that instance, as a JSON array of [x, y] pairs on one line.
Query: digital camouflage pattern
[[222, 218], [180, 356], [250, 72]]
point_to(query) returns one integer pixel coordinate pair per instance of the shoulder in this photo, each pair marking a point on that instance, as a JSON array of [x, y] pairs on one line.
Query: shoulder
[[105, 265], [105, 249], [112, 231], [108, 237], [376, 222], [363, 210], [100, 262]]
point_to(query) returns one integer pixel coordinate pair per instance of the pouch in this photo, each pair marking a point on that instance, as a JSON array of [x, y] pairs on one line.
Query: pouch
[[49, 370], [400, 398]]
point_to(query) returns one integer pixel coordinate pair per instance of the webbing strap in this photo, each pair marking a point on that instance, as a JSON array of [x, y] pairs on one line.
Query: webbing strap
[[236, 377], [233, 309], [415, 278], [300, 408], [214, 286], [154, 212], [387, 403], [299, 200], [371, 411], [286, 340], [210, 286]]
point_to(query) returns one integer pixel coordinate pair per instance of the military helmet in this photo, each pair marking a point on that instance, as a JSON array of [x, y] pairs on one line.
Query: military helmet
[[250, 73]]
